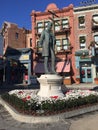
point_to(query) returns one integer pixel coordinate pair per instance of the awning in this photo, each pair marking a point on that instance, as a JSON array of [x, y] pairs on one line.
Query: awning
[[63, 66], [81, 52]]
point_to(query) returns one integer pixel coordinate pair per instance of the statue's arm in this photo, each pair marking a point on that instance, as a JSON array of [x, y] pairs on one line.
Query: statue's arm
[[42, 38], [54, 39]]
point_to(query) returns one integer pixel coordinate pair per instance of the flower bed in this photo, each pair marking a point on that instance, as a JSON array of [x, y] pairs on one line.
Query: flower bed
[[28, 102]]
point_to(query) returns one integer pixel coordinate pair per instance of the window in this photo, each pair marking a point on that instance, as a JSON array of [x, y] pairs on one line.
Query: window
[[95, 19], [39, 27], [82, 41], [65, 23], [65, 44], [57, 25], [30, 42], [40, 24], [58, 44], [16, 35], [81, 21], [46, 23], [96, 40]]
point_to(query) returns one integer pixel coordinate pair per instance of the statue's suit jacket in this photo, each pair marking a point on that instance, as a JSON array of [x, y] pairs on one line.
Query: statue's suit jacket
[[47, 40]]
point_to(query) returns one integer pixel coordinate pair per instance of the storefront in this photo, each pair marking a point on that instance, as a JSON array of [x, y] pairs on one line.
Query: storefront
[[86, 74], [18, 66], [85, 67]]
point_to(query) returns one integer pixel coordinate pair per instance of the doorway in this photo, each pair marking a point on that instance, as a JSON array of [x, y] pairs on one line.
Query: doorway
[[86, 74]]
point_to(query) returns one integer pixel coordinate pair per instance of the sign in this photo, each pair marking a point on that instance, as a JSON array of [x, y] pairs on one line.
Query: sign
[[24, 57]]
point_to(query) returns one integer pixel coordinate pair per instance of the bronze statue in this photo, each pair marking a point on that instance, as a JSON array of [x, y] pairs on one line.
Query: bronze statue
[[47, 40]]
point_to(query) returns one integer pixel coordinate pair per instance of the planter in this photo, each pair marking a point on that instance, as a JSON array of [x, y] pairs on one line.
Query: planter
[[67, 81], [96, 80], [77, 80]]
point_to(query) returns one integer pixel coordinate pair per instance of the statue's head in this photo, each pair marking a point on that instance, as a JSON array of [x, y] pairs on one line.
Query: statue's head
[[49, 27]]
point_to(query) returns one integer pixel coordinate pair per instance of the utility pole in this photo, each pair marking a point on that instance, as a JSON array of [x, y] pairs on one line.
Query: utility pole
[[53, 16]]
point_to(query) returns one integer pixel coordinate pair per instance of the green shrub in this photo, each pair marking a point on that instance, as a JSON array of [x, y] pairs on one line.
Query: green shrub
[[52, 106]]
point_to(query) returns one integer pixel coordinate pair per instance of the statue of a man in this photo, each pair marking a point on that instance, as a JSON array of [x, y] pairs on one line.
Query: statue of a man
[[47, 40]]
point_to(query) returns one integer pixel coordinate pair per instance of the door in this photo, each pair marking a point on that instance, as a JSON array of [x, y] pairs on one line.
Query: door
[[86, 74]]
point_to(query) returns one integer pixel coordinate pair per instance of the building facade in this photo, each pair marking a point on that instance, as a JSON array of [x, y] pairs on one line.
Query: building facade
[[16, 53], [1, 58], [86, 42], [63, 28], [76, 31]]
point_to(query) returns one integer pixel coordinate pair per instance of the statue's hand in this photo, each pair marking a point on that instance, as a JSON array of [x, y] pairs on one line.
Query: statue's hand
[[40, 44]]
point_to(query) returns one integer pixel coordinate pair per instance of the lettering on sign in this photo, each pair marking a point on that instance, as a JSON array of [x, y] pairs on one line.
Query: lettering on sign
[[24, 57]]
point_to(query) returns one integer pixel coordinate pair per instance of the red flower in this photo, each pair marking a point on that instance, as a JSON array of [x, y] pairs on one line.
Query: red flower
[[20, 92], [55, 97], [28, 97]]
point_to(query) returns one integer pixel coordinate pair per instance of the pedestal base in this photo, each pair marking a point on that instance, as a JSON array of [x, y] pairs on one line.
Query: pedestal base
[[50, 85]]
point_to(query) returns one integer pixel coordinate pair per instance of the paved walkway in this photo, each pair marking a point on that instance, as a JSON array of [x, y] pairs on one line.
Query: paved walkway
[[8, 123], [85, 122]]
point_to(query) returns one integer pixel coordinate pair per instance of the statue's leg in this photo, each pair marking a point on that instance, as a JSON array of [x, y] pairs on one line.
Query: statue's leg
[[53, 62], [46, 65]]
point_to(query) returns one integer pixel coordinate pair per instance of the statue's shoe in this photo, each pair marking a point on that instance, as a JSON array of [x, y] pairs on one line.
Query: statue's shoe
[[54, 72]]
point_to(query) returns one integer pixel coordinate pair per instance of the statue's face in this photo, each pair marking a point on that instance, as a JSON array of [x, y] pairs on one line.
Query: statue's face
[[49, 26]]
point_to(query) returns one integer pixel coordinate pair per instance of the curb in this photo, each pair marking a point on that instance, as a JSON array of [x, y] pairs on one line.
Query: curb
[[46, 119], [27, 118]]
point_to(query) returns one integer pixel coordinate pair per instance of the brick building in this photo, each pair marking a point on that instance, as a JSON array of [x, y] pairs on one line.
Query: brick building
[[1, 58], [15, 37], [86, 33], [17, 53], [63, 28]]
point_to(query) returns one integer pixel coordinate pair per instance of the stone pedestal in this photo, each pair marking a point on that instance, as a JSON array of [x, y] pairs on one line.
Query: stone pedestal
[[50, 85]]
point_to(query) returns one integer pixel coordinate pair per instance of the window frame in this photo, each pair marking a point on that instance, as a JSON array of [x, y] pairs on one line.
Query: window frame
[[96, 45], [57, 25], [81, 21], [65, 45], [58, 45], [30, 42], [82, 41], [16, 35], [65, 23], [39, 27]]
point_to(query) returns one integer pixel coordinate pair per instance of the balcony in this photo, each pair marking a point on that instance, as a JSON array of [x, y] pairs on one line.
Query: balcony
[[65, 50], [62, 30]]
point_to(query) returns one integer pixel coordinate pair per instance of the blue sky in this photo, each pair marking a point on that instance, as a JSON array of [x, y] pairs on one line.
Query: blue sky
[[18, 11]]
